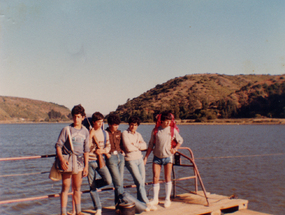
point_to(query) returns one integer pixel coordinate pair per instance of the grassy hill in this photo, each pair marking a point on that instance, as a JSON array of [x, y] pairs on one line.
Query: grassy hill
[[14, 109], [209, 96]]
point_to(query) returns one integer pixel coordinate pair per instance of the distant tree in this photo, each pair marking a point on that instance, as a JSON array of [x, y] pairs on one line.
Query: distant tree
[[54, 114]]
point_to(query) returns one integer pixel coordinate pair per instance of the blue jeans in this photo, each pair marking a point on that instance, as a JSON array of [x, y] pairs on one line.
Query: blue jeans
[[94, 184], [137, 170], [116, 165]]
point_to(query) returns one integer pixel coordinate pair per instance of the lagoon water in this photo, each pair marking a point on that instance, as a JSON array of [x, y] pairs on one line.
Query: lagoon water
[[245, 160]]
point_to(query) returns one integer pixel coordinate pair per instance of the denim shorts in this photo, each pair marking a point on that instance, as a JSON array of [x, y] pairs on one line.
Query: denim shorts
[[162, 161]]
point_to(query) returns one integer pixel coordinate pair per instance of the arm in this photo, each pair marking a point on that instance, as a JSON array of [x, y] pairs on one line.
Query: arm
[[63, 162], [85, 170], [58, 146], [104, 149], [149, 149], [179, 140], [108, 145], [147, 154], [128, 145], [91, 145], [141, 144], [86, 155]]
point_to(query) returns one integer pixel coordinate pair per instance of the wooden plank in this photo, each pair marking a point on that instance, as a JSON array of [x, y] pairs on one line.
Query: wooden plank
[[249, 212], [194, 204]]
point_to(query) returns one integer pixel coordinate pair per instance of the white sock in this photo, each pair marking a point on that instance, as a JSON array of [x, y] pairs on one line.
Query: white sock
[[98, 212], [155, 192], [168, 187]]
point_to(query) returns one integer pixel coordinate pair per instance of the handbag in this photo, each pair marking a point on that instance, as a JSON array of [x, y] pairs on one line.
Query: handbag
[[72, 166], [54, 174], [71, 158]]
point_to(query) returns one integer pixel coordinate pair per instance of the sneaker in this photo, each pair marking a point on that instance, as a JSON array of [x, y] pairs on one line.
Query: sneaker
[[98, 212], [153, 202], [167, 203], [150, 207]]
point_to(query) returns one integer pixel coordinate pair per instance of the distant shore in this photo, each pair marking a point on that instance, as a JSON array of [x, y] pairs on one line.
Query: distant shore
[[242, 121]]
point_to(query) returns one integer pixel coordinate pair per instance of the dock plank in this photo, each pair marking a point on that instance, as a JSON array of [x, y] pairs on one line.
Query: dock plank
[[195, 204], [249, 212]]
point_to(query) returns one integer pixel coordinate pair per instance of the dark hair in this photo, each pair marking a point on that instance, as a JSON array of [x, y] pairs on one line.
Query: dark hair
[[78, 109], [97, 116], [134, 119], [113, 119], [166, 115]]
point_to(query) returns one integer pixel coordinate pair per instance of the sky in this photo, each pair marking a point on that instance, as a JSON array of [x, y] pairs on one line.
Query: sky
[[102, 53]]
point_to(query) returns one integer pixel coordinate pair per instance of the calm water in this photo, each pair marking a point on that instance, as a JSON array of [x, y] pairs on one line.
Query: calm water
[[259, 179]]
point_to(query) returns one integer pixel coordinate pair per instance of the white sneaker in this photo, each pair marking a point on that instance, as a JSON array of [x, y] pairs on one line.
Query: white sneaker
[[153, 202], [150, 207], [167, 203], [98, 212]]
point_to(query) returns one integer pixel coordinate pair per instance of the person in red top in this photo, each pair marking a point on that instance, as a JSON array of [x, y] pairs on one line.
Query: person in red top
[[164, 133]]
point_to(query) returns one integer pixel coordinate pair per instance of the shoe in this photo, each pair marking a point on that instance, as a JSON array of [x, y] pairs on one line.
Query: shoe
[[150, 207], [98, 212], [70, 213], [117, 211], [167, 203], [153, 202]]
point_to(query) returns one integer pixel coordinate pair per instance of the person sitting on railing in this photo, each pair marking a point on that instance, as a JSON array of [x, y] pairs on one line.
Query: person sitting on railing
[[162, 136], [79, 136], [116, 162], [99, 146], [133, 143]]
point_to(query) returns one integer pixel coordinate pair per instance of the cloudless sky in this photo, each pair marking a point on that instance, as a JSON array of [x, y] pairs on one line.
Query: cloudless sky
[[100, 53]]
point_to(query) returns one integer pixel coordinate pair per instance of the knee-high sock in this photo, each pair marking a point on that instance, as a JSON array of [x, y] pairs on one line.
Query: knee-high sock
[[168, 187], [63, 210], [155, 191], [78, 208]]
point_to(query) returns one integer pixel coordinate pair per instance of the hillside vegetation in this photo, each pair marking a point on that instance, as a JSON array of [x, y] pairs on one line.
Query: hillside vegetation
[[204, 97], [14, 109]]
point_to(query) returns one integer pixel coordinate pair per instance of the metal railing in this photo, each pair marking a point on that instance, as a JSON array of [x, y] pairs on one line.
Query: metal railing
[[178, 162]]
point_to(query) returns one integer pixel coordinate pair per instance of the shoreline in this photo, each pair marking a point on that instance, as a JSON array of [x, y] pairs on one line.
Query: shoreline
[[241, 121]]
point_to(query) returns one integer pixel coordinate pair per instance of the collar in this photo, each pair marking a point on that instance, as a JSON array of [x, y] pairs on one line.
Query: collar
[[129, 131]]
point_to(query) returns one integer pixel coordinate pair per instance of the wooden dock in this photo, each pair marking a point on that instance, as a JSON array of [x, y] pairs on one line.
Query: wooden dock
[[195, 204]]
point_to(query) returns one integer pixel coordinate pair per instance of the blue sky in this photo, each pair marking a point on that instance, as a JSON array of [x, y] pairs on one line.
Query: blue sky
[[100, 53]]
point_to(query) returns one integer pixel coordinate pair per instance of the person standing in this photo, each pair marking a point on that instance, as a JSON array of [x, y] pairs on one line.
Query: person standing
[[79, 137], [99, 147], [133, 144], [160, 144], [116, 161]]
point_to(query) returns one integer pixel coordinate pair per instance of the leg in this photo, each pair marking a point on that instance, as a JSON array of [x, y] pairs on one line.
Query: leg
[[76, 185], [66, 181], [106, 178], [137, 170], [121, 165], [156, 186], [156, 168], [168, 184], [113, 166], [92, 183], [167, 172]]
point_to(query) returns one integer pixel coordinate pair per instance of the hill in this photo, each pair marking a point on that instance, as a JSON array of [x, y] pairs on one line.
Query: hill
[[209, 96], [14, 109]]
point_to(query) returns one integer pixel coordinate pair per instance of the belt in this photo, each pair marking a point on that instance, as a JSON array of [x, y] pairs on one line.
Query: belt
[[114, 153]]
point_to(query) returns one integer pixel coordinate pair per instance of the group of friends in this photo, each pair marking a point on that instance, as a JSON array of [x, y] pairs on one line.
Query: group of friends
[[107, 152]]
